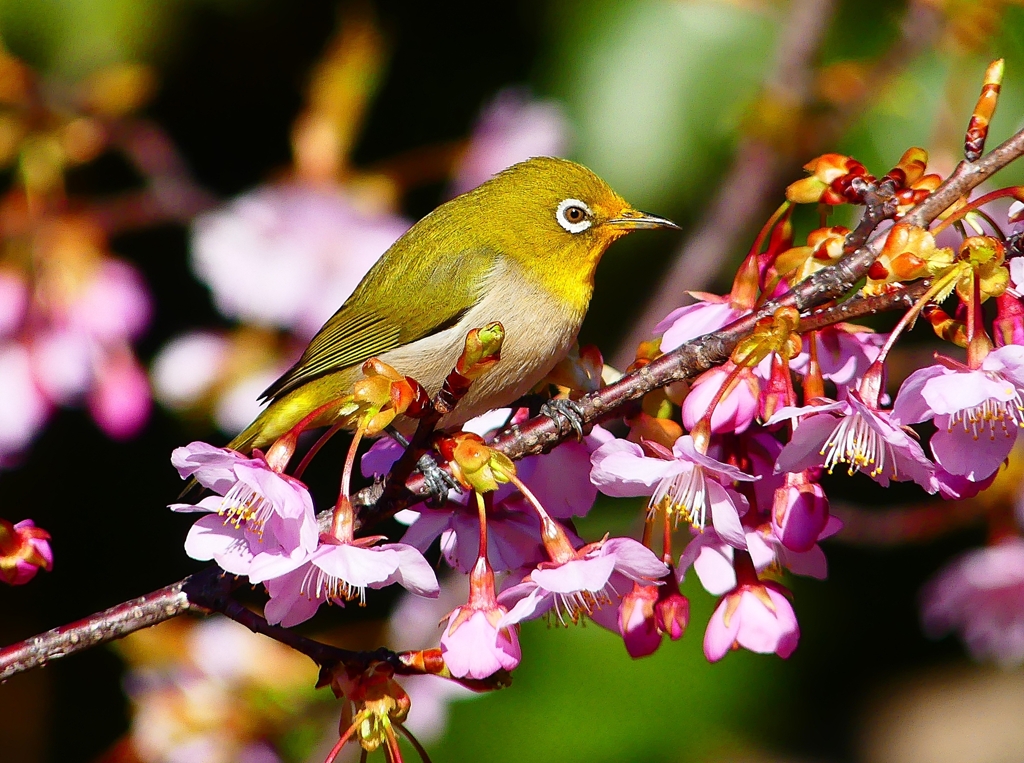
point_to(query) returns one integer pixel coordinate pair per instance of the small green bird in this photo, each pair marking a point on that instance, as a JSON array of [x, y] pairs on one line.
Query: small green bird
[[520, 249]]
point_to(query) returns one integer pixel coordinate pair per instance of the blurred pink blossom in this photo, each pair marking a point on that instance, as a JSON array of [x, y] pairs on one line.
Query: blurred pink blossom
[[187, 367], [14, 296], [23, 408], [512, 128], [119, 400], [980, 594], [289, 255]]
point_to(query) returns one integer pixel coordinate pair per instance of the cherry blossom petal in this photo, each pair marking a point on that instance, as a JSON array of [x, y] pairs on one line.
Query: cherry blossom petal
[[621, 470], [633, 559], [359, 567], [413, 571], [576, 575], [211, 539], [960, 453]]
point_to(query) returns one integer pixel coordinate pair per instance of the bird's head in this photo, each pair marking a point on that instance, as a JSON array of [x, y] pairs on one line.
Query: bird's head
[[554, 214]]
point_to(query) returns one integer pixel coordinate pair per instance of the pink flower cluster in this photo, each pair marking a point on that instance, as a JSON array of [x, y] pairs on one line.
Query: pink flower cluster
[[574, 581], [65, 337], [260, 524]]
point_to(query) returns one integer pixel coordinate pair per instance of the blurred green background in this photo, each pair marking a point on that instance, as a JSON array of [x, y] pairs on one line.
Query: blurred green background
[[661, 96]]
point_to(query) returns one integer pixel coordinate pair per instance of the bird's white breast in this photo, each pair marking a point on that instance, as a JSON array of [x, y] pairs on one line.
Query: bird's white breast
[[539, 330]]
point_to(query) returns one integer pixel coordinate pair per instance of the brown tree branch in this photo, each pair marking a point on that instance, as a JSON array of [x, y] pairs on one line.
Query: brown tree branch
[[113, 623]]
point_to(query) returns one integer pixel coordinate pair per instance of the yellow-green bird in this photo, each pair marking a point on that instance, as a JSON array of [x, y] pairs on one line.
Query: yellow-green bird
[[521, 249]]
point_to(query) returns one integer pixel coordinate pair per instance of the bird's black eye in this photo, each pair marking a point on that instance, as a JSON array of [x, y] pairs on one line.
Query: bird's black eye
[[573, 215]]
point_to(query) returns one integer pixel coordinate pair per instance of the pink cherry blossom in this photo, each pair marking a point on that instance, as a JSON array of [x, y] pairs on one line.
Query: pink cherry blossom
[[337, 572], [582, 584], [474, 643], [977, 412], [288, 255], [512, 128], [735, 412], [768, 552], [712, 560], [672, 613], [709, 314], [258, 512], [682, 480], [845, 352], [853, 433], [476, 647], [513, 533], [980, 594], [24, 550], [755, 616]]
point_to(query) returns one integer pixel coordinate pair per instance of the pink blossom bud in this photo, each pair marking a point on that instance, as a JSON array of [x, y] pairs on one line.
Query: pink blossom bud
[[799, 513], [734, 412], [672, 614], [24, 548], [636, 621]]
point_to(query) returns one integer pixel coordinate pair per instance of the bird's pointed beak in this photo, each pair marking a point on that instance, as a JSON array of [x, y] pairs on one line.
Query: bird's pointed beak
[[632, 219]]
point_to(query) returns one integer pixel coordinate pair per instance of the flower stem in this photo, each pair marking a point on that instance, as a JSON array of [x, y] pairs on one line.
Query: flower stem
[[346, 736], [482, 511], [301, 468], [343, 524], [414, 742], [1013, 190]]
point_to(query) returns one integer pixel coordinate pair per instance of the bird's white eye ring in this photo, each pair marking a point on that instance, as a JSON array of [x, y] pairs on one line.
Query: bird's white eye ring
[[573, 215]]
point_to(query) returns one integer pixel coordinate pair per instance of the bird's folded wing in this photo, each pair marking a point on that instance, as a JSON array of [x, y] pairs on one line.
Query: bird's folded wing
[[389, 310]]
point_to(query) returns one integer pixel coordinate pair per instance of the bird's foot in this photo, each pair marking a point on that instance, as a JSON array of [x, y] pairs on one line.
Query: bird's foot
[[439, 482], [565, 412]]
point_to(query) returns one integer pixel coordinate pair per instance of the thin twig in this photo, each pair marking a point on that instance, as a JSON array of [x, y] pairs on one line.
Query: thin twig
[[113, 623]]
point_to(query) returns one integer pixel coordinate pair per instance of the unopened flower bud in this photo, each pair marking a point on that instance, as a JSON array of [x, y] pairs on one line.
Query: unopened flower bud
[[24, 549], [799, 513], [636, 621], [672, 613]]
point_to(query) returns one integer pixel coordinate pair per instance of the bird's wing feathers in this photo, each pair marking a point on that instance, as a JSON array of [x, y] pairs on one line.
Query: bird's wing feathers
[[418, 301]]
